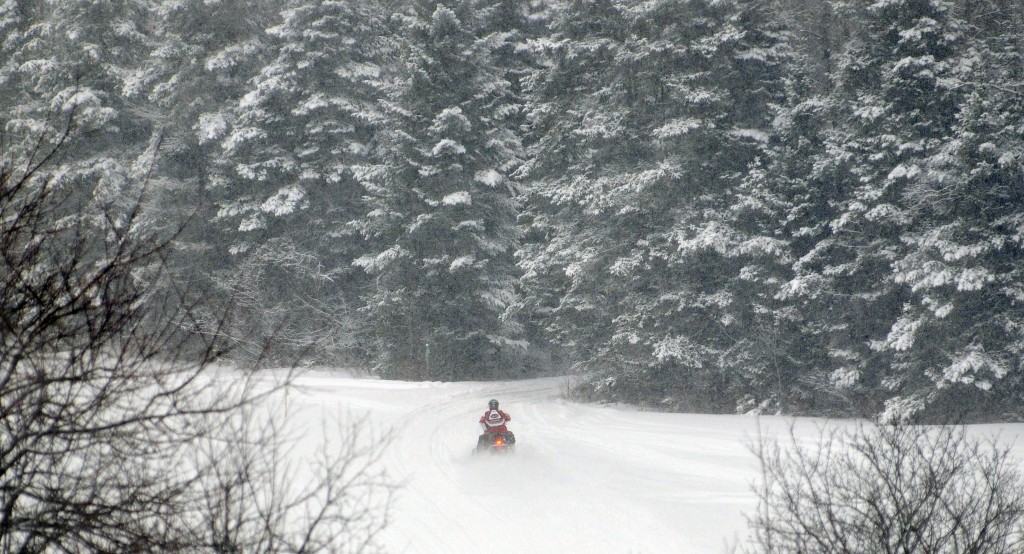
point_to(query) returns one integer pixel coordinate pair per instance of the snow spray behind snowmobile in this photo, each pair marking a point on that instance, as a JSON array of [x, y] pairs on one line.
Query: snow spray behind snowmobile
[[496, 443]]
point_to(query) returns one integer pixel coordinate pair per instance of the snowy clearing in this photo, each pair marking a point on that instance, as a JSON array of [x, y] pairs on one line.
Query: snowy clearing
[[584, 478]]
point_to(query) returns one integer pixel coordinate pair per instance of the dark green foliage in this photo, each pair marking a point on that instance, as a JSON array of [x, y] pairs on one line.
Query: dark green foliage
[[817, 269], [646, 121], [77, 57], [963, 257], [441, 213], [284, 182], [754, 205], [200, 64]]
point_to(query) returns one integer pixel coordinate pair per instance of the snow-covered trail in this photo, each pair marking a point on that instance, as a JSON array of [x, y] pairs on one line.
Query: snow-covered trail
[[583, 478]]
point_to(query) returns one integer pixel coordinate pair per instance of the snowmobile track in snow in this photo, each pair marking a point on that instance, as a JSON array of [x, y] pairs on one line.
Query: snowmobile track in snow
[[584, 478]]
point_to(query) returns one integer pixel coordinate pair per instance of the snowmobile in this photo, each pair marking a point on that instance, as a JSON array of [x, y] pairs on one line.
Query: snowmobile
[[496, 443]]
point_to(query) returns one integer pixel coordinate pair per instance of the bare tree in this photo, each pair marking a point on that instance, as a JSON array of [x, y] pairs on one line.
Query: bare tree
[[256, 499], [283, 290], [107, 406], [888, 489]]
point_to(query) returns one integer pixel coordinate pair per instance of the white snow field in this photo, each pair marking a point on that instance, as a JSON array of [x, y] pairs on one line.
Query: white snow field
[[584, 478]]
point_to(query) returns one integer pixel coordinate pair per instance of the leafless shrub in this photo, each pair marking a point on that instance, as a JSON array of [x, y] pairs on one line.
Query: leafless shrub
[[106, 405], [253, 497], [888, 489]]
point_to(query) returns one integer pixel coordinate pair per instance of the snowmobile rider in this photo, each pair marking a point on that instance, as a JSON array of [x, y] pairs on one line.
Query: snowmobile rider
[[493, 421]]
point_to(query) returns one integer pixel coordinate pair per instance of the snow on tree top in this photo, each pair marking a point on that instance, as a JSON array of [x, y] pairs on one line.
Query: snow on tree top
[[753, 134], [490, 177], [458, 198], [450, 119], [447, 146], [460, 262], [286, 201], [211, 126], [677, 127]]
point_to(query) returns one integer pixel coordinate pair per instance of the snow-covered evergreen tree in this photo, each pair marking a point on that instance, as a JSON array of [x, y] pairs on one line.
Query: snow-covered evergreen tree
[[508, 26], [285, 187], [647, 119], [956, 345], [74, 56], [778, 213], [199, 62], [307, 117], [896, 98], [561, 291], [441, 209], [202, 59]]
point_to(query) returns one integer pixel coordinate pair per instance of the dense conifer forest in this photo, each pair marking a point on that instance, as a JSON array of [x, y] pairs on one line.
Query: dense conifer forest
[[768, 206]]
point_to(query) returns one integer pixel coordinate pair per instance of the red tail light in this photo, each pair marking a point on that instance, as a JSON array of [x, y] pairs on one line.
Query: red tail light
[[499, 442]]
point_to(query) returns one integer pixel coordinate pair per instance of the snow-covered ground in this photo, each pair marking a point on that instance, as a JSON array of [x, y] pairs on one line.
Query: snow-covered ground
[[584, 478]]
